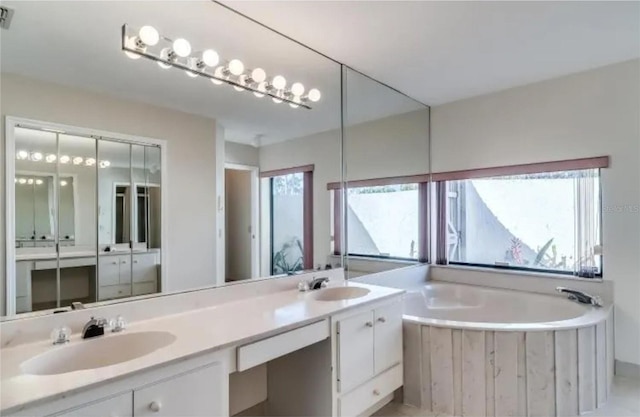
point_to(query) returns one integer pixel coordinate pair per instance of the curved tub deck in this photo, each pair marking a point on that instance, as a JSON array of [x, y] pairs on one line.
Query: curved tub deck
[[475, 351]]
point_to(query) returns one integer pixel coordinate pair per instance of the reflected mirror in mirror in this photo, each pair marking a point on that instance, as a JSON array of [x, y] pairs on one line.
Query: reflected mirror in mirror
[[386, 138], [252, 133]]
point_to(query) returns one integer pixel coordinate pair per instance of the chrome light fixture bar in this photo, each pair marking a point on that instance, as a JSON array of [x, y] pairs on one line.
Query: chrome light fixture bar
[[147, 42]]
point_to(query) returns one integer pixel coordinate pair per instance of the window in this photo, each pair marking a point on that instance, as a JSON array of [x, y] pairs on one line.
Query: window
[[291, 208], [544, 221], [385, 221]]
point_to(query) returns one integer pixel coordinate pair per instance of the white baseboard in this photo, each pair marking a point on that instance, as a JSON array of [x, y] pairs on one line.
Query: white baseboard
[[627, 369]]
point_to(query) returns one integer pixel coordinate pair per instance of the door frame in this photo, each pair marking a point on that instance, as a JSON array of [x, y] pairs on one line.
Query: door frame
[[255, 213]]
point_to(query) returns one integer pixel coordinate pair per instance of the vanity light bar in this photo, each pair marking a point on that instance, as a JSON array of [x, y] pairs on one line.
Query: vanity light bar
[[51, 158], [36, 181], [178, 54]]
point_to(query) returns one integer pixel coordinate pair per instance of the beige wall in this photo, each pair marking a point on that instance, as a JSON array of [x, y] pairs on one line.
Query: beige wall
[[190, 246], [587, 114]]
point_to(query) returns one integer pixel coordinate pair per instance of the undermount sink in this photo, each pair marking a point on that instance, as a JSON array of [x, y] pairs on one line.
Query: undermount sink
[[341, 293], [96, 353]]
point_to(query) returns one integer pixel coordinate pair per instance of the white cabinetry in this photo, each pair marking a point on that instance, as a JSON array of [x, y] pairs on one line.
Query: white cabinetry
[[116, 272], [118, 406], [369, 357]]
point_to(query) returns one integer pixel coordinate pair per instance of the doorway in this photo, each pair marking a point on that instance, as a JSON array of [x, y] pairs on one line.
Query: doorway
[[241, 222]]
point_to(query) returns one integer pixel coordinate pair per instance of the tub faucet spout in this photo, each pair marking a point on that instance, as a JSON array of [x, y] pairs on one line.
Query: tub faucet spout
[[580, 296]]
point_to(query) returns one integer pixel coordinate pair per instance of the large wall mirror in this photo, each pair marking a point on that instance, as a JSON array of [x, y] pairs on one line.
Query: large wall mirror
[[142, 161]]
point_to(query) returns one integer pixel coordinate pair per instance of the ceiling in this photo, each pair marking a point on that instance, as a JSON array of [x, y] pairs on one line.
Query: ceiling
[[438, 52], [78, 44]]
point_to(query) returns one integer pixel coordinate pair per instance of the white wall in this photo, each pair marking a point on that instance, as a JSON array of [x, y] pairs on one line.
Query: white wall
[[238, 153], [191, 162], [587, 114], [238, 220]]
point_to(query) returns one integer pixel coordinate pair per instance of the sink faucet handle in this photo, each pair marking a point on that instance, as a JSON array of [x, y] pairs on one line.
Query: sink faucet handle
[[117, 324], [61, 335], [303, 286]]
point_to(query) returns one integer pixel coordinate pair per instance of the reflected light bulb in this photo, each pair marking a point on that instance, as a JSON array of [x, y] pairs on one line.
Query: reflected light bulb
[[276, 100], [297, 89], [314, 94], [258, 75], [39, 182], [164, 54], [77, 160], [149, 35], [210, 58], [131, 44], [182, 47], [30, 181], [104, 164], [279, 82], [90, 162], [51, 158], [64, 159], [242, 80], [236, 67], [22, 154], [296, 102], [63, 183], [36, 156], [22, 181], [217, 73], [262, 87]]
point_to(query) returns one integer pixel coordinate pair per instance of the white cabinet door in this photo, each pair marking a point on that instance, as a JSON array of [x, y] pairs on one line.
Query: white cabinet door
[[144, 267], [355, 350], [109, 270], [119, 406], [195, 393], [125, 269], [388, 336]]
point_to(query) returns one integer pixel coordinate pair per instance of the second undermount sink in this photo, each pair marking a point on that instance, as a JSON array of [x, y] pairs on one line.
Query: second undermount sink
[[96, 353], [341, 293]]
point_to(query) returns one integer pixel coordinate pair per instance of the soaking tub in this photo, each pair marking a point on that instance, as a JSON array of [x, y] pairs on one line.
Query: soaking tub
[[476, 351]]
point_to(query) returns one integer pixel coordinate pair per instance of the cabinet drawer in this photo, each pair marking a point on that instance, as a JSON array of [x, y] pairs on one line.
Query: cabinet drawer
[[273, 347], [108, 270], [145, 268], [119, 406], [113, 291], [142, 288], [369, 393], [195, 393]]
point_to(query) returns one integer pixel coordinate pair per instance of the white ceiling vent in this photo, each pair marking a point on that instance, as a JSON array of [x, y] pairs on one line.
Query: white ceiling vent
[[5, 17]]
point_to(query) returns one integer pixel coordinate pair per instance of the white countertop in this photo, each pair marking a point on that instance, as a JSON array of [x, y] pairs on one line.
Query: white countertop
[[36, 256], [197, 331]]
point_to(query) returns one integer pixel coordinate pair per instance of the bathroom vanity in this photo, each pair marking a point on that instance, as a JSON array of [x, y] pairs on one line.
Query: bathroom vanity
[[334, 351]]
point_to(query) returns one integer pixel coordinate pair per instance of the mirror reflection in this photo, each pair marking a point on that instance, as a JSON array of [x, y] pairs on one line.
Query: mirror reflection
[[189, 158]]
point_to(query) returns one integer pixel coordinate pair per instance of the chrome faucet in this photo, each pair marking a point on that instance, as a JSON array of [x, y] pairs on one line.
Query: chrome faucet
[[94, 328], [313, 284], [580, 296]]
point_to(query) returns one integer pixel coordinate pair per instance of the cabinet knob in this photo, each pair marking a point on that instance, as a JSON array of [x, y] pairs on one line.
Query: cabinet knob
[[381, 319], [114, 263], [155, 406], [376, 392], [369, 324]]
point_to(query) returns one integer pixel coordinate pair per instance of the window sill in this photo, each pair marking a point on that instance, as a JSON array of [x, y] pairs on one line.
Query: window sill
[[517, 273]]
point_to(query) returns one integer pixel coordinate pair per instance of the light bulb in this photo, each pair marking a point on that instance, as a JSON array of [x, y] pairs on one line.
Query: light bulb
[[77, 160], [262, 87], [210, 58], [39, 182], [258, 75], [63, 183], [297, 89], [22, 181], [104, 164], [191, 74], [296, 102], [314, 94], [217, 73], [149, 35], [279, 82], [64, 159], [165, 54], [131, 44], [276, 100], [36, 156], [51, 158], [30, 181], [90, 162], [182, 47], [22, 154], [236, 67]]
